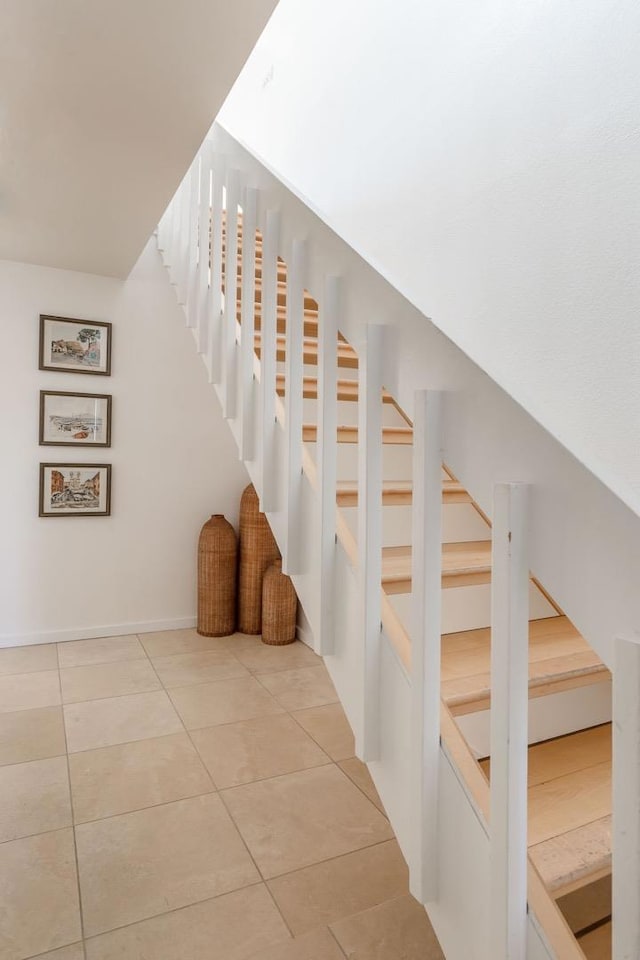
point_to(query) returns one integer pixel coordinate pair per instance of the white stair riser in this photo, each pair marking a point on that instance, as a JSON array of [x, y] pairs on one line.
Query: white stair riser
[[396, 461], [461, 522], [469, 608], [552, 716], [348, 414]]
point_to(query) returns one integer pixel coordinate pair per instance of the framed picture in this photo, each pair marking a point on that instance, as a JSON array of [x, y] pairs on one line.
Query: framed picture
[[75, 490], [75, 419], [75, 346]]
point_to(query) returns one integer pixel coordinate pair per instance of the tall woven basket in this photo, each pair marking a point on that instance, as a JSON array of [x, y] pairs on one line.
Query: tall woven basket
[[279, 607], [258, 549], [217, 573]]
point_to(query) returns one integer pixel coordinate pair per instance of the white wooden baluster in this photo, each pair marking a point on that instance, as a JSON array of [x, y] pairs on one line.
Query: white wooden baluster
[[268, 363], [201, 289], [183, 243], [162, 232], [231, 295], [626, 791], [509, 720], [296, 271], [247, 333], [215, 299], [172, 241], [191, 278], [176, 253], [326, 458], [426, 577], [370, 534]]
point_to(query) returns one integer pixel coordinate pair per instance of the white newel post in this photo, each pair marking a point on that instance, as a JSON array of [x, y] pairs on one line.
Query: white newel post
[[214, 300], [326, 452], [191, 278], [509, 720], [370, 535], [247, 330], [626, 799], [231, 295], [296, 271], [268, 362], [203, 238], [426, 578]]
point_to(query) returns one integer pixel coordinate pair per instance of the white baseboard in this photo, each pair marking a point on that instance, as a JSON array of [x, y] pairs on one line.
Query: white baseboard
[[304, 635], [91, 633]]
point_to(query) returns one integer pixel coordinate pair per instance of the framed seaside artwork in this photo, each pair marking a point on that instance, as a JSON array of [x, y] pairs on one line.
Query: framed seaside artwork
[[75, 490], [75, 419], [75, 346]]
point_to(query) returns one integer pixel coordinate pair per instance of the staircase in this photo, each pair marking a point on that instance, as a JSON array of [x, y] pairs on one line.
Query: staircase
[[404, 578]]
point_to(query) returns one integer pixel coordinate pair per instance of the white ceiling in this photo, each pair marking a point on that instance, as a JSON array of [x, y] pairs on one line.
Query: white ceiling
[[103, 104]]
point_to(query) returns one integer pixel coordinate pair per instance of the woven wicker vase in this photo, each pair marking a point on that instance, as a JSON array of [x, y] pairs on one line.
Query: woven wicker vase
[[279, 607], [258, 549], [217, 573]]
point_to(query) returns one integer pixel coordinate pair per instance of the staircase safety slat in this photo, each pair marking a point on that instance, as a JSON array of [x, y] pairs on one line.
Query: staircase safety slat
[[509, 720], [268, 364], [426, 641]]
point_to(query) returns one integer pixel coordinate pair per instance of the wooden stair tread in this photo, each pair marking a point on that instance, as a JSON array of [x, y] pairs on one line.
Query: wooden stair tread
[[575, 858], [348, 434], [569, 800], [281, 295], [565, 803], [597, 943], [462, 563], [347, 356], [564, 755], [310, 324], [399, 493], [347, 389], [553, 759], [558, 654], [471, 693]]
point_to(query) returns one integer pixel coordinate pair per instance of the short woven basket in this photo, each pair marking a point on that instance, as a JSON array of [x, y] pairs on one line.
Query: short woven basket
[[258, 549], [279, 607], [217, 578]]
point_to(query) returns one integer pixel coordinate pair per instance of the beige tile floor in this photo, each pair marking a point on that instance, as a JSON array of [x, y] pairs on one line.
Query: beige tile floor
[[184, 798]]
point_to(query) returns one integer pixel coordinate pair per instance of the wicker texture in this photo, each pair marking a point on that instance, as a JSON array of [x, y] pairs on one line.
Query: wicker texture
[[258, 549], [217, 578], [279, 607]]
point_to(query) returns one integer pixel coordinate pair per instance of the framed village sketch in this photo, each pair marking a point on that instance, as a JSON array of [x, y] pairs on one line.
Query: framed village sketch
[[75, 419], [75, 346], [75, 490]]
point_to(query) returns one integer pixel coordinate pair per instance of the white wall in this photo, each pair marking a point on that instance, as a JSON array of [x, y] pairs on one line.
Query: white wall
[[485, 157], [174, 462]]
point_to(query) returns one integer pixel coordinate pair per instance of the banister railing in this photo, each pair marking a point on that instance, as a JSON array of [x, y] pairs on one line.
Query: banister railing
[[583, 539]]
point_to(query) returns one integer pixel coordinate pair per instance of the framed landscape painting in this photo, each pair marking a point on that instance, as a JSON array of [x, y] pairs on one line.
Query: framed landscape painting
[[75, 490], [75, 346], [75, 419]]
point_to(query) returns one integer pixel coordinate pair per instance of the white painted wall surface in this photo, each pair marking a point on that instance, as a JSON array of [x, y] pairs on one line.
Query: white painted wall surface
[[485, 157], [174, 462]]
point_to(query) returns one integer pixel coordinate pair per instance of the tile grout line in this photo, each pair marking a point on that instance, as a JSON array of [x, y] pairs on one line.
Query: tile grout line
[[73, 819], [332, 934], [166, 913]]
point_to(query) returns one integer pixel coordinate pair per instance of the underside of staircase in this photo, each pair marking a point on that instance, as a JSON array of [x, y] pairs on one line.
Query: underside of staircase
[[260, 294]]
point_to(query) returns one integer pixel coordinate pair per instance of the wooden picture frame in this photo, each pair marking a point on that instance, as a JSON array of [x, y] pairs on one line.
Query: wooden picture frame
[[75, 346], [75, 490], [70, 419]]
